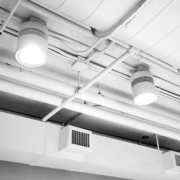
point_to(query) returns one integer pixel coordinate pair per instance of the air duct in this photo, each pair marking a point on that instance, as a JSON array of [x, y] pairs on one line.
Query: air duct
[[24, 140]]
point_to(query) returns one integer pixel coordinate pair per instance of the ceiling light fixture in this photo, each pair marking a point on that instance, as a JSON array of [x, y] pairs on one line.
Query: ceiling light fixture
[[32, 44], [143, 88]]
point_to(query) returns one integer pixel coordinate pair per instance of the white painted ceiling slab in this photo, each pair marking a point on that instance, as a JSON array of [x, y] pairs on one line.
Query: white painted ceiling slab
[[155, 30], [158, 28], [143, 18], [99, 14]]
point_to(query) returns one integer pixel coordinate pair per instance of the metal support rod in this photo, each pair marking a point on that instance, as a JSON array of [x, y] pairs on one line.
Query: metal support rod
[[9, 16], [79, 80], [159, 154], [157, 141], [85, 87], [123, 22]]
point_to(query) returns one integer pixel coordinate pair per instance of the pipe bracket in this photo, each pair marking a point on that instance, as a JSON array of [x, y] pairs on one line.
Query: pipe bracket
[[135, 53]]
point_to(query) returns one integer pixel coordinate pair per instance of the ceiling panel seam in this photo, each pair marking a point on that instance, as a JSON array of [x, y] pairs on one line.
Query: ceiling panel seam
[[162, 40], [149, 21], [93, 11]]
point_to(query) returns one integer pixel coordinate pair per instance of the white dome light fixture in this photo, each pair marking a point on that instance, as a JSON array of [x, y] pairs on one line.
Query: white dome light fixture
[[32, 44], [143, 88]]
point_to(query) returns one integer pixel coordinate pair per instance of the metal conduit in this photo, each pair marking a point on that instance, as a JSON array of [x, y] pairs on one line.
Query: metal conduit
[[9, 16]]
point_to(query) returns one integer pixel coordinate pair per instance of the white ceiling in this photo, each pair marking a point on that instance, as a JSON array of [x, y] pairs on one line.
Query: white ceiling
[[154, 30]]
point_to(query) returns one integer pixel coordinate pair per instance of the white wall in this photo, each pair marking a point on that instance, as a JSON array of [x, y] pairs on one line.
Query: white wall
[[14, 171]]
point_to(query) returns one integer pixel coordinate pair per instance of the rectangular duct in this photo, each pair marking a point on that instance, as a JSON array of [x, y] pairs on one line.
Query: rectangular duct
[[24, 140]]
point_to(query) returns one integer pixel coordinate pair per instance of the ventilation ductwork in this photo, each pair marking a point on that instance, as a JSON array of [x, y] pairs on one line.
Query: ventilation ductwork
[[75, 140], [27, 141], [171, 162]]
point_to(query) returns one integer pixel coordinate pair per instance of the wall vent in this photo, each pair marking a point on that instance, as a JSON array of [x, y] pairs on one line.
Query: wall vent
[[171, 161], [75, 140], [80, 138]]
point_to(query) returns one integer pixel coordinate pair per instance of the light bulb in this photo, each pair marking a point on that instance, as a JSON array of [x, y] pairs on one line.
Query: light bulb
[[143, 88], [31, 56], [145, 99], [32, 44]]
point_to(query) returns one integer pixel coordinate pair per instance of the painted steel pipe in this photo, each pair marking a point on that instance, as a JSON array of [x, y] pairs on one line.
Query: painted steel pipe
[[44, 97], [160, 67], [105, 71], [126, 19], [56, 86], [9, 16], [161, 63], [97, 53]]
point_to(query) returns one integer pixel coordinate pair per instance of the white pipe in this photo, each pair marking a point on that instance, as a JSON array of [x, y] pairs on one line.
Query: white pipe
[[9, 16], [85, 51], [151, 58], [105, 71], [34, 94], [97, 53], [57, 86], [160, 67], [126, 19], [85, 87], [88, 49], [56, 54], [26, 92], [167, 97], [170, 94], [159, 154], [62, 52]]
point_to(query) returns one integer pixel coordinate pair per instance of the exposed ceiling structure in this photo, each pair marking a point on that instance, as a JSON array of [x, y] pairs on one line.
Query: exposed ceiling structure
[[146, 30]]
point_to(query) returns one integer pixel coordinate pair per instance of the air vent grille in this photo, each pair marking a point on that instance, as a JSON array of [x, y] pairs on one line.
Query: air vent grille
[[80, 138]]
